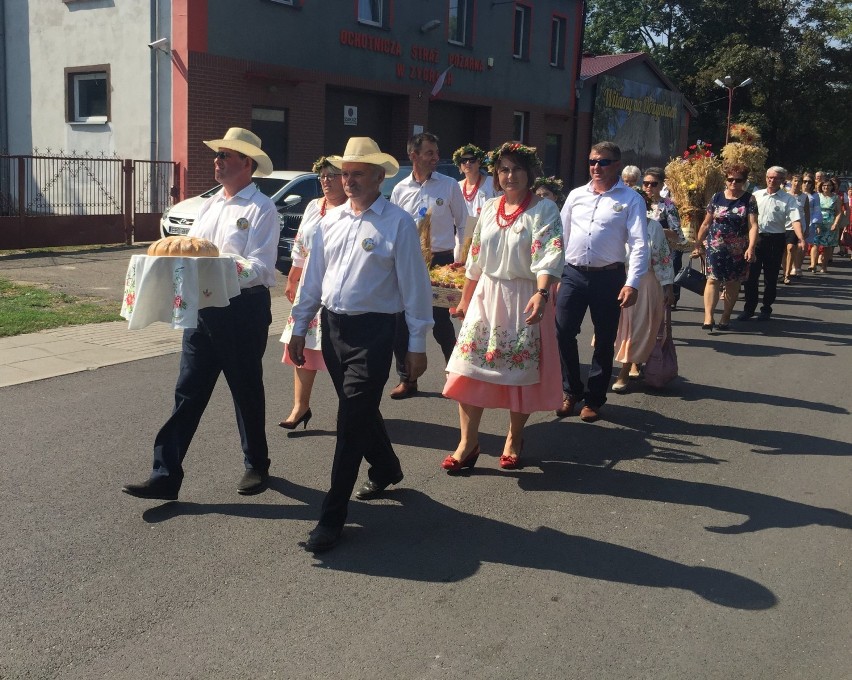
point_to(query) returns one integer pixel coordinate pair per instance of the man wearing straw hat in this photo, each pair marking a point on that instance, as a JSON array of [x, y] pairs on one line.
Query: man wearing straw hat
[[366, 267], [243, 223]]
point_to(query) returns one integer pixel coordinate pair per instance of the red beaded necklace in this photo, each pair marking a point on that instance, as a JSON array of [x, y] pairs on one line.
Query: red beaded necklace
[[469, 196], [323, 206], [504, 220]]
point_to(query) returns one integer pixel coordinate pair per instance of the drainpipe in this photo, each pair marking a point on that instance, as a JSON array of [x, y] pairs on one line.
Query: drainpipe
[[4, 99], [155, 94]]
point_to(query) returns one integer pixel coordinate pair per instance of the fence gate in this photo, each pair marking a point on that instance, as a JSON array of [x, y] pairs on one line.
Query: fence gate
[[62, 200]]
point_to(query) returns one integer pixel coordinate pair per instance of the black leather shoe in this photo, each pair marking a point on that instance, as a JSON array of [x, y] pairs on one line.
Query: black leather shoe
[[253, 482], [745, 316], [764, 316], [373, 489], [156, 488], [322, 538]]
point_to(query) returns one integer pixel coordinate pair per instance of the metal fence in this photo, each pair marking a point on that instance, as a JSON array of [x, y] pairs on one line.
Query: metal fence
[[133, 193]]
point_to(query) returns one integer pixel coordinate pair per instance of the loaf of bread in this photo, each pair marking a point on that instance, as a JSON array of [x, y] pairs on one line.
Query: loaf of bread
[[183, 246]]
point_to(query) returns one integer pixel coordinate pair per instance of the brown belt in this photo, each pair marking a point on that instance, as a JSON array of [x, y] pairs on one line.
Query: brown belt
[[605, 268]]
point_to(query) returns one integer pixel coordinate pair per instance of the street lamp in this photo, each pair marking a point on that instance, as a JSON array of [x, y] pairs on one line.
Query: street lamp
[[727, 83]]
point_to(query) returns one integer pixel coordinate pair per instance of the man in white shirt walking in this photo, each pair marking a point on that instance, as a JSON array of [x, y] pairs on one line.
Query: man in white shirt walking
[[776, 212], [365, 268], [243, 223], [428, 191], [598, 219]]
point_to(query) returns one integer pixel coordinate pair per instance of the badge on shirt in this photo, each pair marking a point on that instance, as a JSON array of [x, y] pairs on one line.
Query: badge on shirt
[[242, 223], [368, 244], [439, 201], [618, 207]]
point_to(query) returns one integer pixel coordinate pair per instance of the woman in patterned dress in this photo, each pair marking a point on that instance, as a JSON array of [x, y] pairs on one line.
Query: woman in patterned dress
[[506, 354], [303, 376], [730, 228], [828, 235]]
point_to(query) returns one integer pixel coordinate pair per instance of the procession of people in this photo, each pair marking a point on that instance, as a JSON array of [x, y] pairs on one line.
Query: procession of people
[[535, 262]]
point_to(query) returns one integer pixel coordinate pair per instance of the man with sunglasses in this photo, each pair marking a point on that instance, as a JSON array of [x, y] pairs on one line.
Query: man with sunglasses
[[243, 224], [601, 221], [776, 212]]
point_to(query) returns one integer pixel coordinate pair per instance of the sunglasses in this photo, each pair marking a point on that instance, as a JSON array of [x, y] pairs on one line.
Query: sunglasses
[[603, 162], [467, 160], [735, 179], [650, 184], [225, 155]]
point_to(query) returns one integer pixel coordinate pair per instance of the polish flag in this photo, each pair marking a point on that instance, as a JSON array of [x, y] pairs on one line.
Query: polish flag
[[440, 82]]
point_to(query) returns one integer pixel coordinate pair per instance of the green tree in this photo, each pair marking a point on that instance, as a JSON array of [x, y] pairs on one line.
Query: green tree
[[798, 55]]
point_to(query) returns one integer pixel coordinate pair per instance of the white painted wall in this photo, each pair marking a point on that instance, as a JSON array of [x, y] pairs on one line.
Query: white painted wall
[[46, 36]]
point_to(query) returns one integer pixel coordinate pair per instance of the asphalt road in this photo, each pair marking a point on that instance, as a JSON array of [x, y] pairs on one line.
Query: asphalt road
[[699, 532]]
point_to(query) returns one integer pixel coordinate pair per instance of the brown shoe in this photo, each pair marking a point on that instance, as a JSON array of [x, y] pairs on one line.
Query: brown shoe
[[568, 404], [589, 414], [404, 390]]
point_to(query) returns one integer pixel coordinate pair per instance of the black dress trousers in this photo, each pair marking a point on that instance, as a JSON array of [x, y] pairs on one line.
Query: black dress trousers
[[357, 350]]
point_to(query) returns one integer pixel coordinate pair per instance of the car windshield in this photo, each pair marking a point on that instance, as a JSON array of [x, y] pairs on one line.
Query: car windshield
[[268, 185], [444, 167]]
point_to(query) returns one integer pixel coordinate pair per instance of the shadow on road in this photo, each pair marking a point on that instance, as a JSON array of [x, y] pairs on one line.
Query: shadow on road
[[413, 537]]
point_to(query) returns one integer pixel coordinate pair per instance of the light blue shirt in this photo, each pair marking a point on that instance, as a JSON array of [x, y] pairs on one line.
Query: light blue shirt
[[597, 227]]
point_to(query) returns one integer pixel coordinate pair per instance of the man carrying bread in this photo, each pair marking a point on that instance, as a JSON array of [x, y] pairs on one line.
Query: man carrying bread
[[365, 268], [242, 223]]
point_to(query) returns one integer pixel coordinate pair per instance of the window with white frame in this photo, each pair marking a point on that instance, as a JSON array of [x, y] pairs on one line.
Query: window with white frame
[[558, 27], [87, 94], [521, 126], [460, 22], [371, 12], [521, 43]]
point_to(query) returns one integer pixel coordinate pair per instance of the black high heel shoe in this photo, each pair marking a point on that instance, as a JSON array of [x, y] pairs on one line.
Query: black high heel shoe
[[293, 424], [708, 327]]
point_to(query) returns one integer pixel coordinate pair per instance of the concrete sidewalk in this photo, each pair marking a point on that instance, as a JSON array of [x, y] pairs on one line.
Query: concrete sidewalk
[[59, 351]]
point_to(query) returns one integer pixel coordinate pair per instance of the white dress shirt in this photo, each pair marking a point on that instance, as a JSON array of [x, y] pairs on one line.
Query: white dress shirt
[[367, 262], [598, 226], [775, 211], [245, 226], [443, 196]]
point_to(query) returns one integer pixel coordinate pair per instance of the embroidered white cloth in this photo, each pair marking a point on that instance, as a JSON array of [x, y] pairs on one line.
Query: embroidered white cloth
[[173, 289]]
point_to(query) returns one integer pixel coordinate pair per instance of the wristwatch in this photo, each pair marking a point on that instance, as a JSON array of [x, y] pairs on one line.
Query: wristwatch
[[544, 293]]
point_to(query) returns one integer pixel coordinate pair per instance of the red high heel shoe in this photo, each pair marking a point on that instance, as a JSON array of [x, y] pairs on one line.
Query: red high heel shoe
[[512, 462], [450, 464]]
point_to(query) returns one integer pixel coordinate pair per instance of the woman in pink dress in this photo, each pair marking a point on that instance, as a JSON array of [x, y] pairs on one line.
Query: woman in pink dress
[[506, 354], [303, 376]]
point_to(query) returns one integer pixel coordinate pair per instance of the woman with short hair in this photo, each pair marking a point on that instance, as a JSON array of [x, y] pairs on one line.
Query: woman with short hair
[[630, 175]]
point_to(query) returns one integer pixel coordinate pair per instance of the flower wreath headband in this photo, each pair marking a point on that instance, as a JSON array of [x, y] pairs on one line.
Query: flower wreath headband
[[518, 149], [468, 150], [555, 184], [322, 162]]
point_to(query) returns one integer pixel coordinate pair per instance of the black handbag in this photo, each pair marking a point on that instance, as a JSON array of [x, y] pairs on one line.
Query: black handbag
[[691, 279]]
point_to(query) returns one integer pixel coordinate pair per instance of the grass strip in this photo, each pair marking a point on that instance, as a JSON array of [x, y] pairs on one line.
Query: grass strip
[[27, 309]]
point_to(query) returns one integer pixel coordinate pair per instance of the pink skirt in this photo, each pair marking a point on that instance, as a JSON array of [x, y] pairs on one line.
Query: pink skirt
[[545, 395], [313, 359], [638, 325]]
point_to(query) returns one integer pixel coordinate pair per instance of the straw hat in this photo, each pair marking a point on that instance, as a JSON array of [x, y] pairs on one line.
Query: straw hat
[[247, 143], [365, 150]]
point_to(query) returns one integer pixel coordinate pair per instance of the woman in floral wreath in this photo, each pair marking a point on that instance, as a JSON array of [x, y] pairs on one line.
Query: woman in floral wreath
[[506, 354], [331, 182], [476, 187], [550, 187]]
